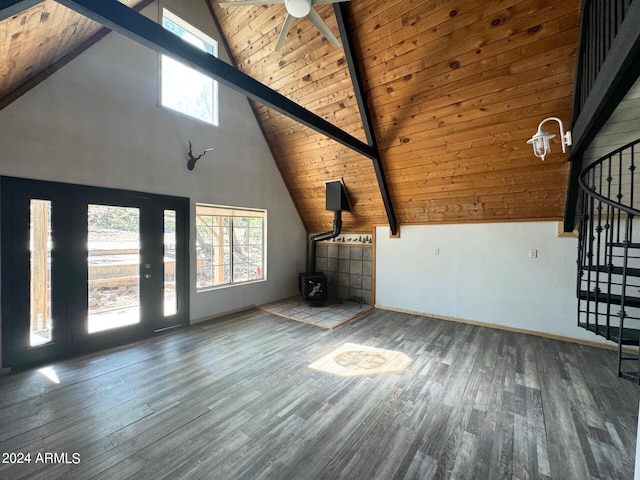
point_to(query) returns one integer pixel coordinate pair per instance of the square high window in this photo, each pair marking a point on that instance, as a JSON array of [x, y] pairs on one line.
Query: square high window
[[182, 88]]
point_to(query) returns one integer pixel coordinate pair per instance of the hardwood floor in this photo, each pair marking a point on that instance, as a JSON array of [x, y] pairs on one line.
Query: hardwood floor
[[235, 399]]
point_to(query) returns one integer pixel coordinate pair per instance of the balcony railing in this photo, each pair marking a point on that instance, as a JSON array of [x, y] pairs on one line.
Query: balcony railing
[[601, 21]]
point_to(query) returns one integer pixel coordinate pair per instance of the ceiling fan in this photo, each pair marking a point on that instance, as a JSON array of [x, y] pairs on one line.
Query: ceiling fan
[[295, 9]]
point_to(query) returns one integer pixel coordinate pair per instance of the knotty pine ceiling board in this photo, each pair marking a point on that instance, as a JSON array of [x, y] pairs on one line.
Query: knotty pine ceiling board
[[451, 81], [455, 88], [37, 38], [311, 72]]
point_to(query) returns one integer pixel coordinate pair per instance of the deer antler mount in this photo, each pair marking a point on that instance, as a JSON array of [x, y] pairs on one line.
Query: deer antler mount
[[194, 158]]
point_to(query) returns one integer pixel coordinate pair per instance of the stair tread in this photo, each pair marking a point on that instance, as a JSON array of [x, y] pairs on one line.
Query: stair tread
[[630, 336], [612, 298], [631, 272]]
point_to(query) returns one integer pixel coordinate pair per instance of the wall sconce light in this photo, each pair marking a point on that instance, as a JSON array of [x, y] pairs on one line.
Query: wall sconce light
[[540, 141]]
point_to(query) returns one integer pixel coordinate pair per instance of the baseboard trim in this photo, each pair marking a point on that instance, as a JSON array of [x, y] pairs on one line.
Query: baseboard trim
[[221, 314], [552, 336]]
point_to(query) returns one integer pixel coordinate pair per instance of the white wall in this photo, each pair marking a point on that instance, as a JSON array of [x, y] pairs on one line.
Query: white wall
[[622, 127], [483, 273], [97, 122]]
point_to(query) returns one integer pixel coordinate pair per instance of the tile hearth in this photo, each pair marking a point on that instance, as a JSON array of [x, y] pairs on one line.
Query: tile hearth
[[331, 315]]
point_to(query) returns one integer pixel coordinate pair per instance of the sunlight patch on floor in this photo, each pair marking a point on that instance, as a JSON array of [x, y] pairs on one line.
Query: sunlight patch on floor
[[351, 360], [50, 373]]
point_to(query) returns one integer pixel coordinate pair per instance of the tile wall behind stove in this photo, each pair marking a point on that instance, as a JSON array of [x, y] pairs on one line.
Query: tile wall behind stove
[[349, 270]]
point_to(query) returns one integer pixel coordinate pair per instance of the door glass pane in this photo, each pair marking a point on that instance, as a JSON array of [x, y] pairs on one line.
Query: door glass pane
[[169, 264], [114, 267], [40, 272]]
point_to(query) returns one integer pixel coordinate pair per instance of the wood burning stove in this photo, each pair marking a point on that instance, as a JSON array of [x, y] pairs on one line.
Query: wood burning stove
[[313, 287], [312, 284]]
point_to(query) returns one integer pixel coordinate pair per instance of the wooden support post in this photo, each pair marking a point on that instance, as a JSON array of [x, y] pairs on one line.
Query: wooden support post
[[40, 313], [218, 233]]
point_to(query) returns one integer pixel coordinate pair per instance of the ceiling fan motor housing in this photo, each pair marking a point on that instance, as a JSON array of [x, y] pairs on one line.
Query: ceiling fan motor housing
[[298, 8]]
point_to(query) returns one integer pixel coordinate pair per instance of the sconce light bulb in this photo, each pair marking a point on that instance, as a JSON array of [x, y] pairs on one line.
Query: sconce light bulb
[[540, 143], [539, 150]]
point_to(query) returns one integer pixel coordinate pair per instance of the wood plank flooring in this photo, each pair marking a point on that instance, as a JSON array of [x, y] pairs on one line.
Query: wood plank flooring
[[235, 399]]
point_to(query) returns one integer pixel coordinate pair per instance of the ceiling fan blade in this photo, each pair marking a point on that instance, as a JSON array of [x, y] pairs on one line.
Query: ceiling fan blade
[[247, 3], [324, 29], [286, 26]]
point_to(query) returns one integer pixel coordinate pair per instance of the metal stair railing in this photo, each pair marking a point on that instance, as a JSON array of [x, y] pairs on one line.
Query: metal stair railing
[[609, 254]]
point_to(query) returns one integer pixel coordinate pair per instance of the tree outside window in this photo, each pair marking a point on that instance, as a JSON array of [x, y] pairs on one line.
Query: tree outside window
[[230, 246], [184, 89]]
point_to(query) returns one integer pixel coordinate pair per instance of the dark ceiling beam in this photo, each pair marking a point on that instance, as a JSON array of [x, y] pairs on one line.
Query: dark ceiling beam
[[617, 75], [9, 8], [58, 64], [573, 190], [340, 10], [122, 19]]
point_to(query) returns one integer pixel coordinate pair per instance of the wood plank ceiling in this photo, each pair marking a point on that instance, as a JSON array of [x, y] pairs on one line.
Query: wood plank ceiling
[[455, 89], [38, 41]]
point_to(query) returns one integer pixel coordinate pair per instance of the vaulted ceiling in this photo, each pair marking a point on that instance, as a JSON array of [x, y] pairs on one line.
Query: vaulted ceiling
[[40, 40], [455, 88]]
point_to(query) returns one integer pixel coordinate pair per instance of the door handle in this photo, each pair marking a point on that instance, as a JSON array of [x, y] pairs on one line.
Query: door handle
[[147, 275]]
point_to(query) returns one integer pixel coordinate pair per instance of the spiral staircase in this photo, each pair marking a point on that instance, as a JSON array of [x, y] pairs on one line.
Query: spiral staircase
[[609, 255]]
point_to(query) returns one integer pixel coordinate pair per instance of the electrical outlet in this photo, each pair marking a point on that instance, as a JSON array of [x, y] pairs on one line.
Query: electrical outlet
[[436, 251], [533, 253]]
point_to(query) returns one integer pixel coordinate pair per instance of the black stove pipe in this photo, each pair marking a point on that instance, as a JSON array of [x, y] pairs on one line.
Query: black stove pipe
[[311, 254]]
